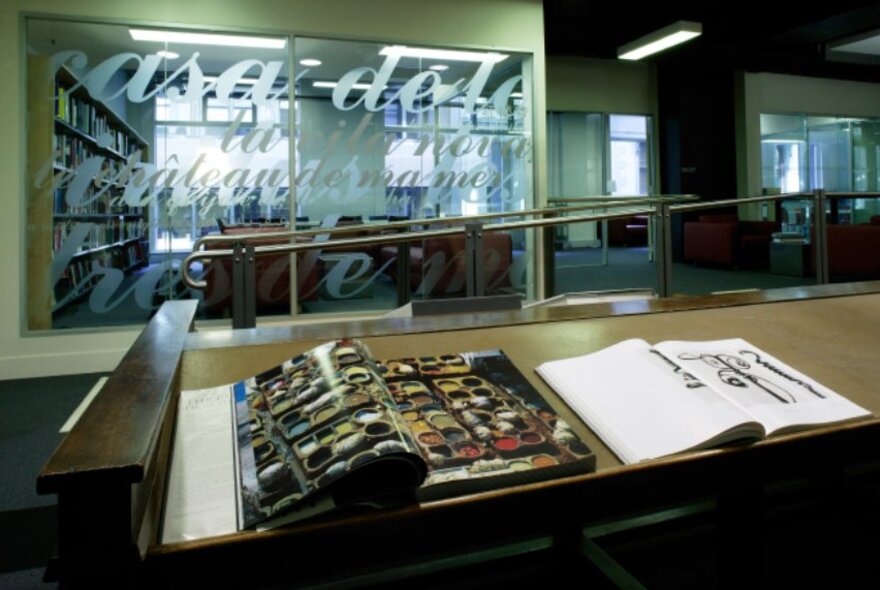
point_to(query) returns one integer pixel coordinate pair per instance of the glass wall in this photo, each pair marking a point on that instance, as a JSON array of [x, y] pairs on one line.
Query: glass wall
[[592, 154], [801, 153], [141, 141], [388, 133]]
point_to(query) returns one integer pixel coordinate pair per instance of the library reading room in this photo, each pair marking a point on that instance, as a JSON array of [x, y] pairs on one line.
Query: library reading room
[[452, 294]]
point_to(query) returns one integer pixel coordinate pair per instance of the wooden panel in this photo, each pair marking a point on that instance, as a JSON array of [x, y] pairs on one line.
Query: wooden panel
[[127, 415], [110, 470], [40, 227], [833, 338]]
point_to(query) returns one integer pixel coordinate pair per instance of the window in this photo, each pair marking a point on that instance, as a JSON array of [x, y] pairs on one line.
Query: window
[[139, 148]]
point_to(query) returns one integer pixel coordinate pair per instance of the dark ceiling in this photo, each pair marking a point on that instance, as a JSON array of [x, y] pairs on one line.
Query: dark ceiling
[[750, 34]]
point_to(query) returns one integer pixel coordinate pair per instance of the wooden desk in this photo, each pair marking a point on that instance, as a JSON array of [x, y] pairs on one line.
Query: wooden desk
[[109, 472]]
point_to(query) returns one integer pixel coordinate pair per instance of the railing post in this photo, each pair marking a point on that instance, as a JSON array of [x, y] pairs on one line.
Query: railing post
[[244, 283], [476, 279], [663, 249], [820, 237], [548, 236], [403, 274]]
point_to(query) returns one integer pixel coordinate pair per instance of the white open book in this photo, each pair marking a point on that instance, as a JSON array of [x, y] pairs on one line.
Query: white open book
[[647, 402]]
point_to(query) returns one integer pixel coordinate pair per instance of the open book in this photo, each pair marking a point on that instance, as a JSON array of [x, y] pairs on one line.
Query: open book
[[647, 402], [332, 428]]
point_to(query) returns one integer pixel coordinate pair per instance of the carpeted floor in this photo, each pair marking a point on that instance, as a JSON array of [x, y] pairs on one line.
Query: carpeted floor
[[582, 270], [31, 412]]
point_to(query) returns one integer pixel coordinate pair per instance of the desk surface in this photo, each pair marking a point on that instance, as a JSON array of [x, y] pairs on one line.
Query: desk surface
[[833, 340]]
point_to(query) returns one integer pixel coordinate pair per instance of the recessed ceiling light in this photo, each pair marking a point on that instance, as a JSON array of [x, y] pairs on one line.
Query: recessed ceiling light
[[167, 54], [310, 63], [444, 54], [207, 39], [439, 67]]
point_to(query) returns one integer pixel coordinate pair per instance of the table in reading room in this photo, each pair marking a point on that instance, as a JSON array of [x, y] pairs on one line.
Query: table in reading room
[[110, 472]]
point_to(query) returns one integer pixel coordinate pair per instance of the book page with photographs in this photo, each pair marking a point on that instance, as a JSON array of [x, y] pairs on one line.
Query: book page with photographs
[[324, 418], [480, 424], [777, 395]]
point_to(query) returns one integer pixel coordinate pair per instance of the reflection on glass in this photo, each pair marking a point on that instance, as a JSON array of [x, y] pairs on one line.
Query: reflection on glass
[[136, 149], [388, 133]]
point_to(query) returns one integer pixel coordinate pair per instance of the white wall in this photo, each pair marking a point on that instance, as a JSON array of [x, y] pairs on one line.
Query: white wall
[[780, 93], [512, 25]]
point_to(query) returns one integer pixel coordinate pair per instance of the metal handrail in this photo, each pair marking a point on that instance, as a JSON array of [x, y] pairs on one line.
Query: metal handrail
[[767, 198], [661, 208], [398, 238], [594, 203], [866, 195], [657, 198], [739, 201]]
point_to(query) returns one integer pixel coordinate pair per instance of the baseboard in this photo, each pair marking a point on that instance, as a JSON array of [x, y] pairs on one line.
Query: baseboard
[[61, 363]]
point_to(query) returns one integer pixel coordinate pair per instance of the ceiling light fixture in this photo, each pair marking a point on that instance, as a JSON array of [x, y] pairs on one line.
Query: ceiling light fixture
[[250, 81], [439, 67], [442, 54], [327, 84], [310, 63], [206, 39], [167, 54], [659, 40]]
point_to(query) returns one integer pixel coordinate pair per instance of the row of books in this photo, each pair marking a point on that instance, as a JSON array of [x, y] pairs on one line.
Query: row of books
[[84, 116], [79, 276], [107, 203], [102, 234], [71, 151]]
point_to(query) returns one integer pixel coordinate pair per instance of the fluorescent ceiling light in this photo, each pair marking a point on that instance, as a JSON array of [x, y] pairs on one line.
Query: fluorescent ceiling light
[[310, 63], [442, 54], [325, 84], [206, 39], [167, 54], [439, 67], [659, 40], [250, 81], [516, 95]]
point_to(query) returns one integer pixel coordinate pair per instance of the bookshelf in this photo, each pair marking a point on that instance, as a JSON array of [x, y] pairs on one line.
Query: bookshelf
[[66, 128]]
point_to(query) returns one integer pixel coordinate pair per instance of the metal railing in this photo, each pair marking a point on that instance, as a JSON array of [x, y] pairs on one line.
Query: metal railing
[[472, 228]]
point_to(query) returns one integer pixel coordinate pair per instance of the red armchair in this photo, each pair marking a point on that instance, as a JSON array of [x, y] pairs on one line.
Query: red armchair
[[725, 240], [272, 276], [628, 231], [438, 266], [853, 250]]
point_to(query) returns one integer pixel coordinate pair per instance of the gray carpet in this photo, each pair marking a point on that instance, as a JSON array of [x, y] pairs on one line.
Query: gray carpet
[[582, 270], [31, 412]]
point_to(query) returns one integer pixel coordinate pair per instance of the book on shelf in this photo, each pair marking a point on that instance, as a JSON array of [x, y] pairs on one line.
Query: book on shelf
[[649, 401], [332, 428]]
